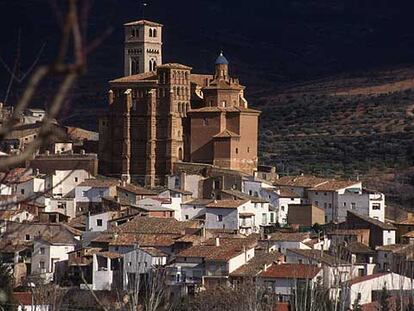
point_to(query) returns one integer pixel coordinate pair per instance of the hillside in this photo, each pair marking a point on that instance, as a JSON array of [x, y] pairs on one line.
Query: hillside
[[341, 126]]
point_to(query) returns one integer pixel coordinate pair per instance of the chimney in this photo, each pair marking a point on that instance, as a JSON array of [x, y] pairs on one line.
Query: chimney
[[217, 241]]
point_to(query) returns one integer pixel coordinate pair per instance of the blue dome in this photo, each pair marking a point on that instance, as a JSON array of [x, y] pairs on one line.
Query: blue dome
[[221, 60]]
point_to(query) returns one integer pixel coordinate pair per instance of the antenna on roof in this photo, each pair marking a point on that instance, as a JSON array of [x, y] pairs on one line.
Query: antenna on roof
[[143, 4]]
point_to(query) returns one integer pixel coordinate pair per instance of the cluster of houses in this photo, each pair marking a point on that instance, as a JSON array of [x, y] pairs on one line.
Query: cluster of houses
[[209, 226]]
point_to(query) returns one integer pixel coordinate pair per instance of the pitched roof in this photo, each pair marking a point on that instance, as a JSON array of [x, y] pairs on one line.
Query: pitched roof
[[142, 77], [129, 239], [289, 236], [174, 66], [226, 203], [244, 196], [300, 181], [99, 183], [136, 189], [284, 192], [367, 278], [155, 252], [258, 263], [319, 256], [227, 249], [375, 222], [110, 255], [143, 22], [225, 109], [291, 271], [333, 185], [359, 248], [227, 134], [397, 248], [198, 202], [409, 234], [348, 232], [154, 225]]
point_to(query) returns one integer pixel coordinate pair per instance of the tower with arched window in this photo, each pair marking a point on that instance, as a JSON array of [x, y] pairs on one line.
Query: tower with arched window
[[142, 47]]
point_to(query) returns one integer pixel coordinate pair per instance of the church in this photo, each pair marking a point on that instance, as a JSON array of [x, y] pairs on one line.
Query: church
[[162, 113]]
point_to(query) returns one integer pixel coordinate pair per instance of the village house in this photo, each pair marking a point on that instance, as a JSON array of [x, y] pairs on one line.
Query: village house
[[305, 215], [282, 241], [242, 215], [50, 255], [89, 193], [380, 233], [62, 183], [285, 279], [133, 193], [397, 258], [157, 207], [368, 288], [335, 270], [209, 264], [195, 209]]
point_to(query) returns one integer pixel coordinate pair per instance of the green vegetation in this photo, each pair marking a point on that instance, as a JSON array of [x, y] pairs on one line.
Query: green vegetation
[[337, 135]]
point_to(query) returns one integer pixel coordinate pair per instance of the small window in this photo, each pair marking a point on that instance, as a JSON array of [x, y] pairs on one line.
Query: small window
[[353, 205], [84, 193], [219, 218], [99, 222], [76, 179], [376, 206], [316, 203], [22, 191], [248, 149], [237, 150], [186, 217], [27, 237], [42, 251], [42, 265]]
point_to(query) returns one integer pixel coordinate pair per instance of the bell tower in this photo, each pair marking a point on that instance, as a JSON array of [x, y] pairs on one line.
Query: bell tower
[[142, 47]]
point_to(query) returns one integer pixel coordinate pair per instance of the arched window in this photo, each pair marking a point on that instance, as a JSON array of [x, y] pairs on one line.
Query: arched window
[[154, 65], [154, 33], [180, 154], [178, 91], [150, 32], [134, 66], [150, 65], [237, 150]]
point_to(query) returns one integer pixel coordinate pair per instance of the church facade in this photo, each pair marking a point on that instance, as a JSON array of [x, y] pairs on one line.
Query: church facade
[[163, 113]]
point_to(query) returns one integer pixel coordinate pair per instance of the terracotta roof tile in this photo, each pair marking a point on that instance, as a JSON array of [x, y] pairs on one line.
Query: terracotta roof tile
[[227, 249], [227, 134], [244, 196], [174, 66], [375, 222], [334, 185], [136, 189], [99, 183], [300, 181], [289, 236], [226, 203], [291, 271], [258, 263], [367, 278], [154, 225], [316, 255], [142, 77]]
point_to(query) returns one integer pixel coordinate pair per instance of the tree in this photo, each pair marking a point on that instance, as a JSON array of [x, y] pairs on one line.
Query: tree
[[356, 306], [6, 288], [384, 303]]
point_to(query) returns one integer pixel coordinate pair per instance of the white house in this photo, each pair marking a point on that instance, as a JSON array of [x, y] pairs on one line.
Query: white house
[[139, 261], [194, 209], [282, 241], [29, 187], [363, 287], [285, 279], [90, 192], [48, 253], [212, 261], [335, 270], [98, 222], [63, 182], [278, 197], [242, 215]]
